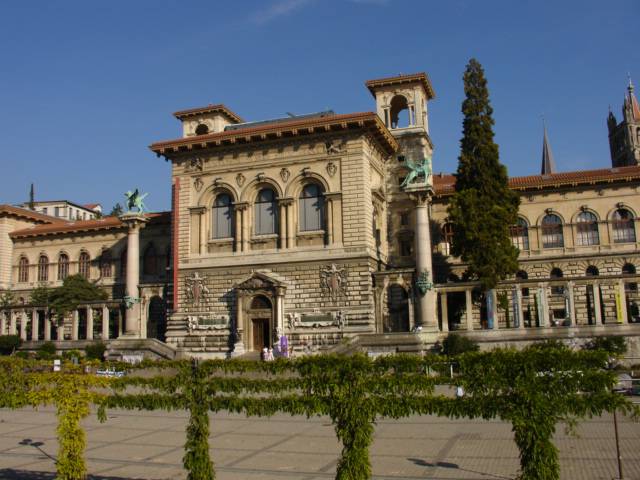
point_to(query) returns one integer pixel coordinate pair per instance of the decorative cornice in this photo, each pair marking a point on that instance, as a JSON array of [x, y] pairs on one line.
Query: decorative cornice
[[368, 121], [219, 108], [421, 78]]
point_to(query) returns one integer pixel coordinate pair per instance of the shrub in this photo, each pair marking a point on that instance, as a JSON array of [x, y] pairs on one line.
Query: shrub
[[46, 350], [9, 344], [612, 344], [457, 344], [550, 344], [95, 351], [69, 354]]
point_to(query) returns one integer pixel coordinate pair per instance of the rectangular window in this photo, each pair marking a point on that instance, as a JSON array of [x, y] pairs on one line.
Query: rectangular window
[[311, 209], [57, 211], [222, 222]]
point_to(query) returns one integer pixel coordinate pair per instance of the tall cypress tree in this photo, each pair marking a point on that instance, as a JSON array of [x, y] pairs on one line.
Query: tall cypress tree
[[483, 207]]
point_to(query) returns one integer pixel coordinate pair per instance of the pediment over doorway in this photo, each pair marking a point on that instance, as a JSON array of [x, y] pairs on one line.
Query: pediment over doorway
[[260, 281]]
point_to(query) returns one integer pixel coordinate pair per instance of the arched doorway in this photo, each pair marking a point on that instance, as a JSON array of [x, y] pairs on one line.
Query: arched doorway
[[398, 299], [261, 320], [157, 320]]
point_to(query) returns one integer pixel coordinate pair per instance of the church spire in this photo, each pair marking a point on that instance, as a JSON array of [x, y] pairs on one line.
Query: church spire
[[548, 163], [632, 102]]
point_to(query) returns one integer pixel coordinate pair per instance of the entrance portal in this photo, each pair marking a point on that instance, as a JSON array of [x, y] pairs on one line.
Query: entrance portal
[[261, 315]]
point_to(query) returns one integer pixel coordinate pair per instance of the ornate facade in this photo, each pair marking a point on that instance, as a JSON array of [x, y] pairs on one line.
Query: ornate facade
[[330, 229]]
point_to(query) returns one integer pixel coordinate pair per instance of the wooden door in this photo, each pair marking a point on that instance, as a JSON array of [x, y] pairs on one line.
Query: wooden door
[[260, 333]]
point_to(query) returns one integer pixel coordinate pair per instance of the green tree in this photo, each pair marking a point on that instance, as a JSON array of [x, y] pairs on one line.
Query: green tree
[[6, 298], [483, 207], [74, 290], [117, 210], [41, 295]]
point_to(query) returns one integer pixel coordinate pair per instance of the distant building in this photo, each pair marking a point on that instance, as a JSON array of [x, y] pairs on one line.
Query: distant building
[[66, 209]]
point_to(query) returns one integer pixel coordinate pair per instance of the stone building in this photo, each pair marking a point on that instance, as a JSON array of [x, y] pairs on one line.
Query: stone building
[[331, 230]]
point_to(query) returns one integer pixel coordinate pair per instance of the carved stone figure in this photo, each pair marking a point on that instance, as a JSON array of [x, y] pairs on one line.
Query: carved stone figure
[[195, 164], [240, 179], [332, 147], [195, 287], [422, 283], [135, 200], [331, 169], [285, 174], [417, 170], [333, 281], [198, 184]]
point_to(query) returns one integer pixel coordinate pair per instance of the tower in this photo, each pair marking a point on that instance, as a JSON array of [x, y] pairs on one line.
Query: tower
[[548, 163], [624, 137], [401, 104]]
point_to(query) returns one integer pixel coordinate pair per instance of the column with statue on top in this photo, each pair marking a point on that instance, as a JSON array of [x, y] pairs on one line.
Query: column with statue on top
[[418, 185], [135, 221]]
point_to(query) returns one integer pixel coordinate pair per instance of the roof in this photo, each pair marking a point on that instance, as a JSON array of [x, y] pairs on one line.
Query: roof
[[104, 223], [92, 206], [444, 184], [218, 108], [421, 77], [294, 127], [28, 214], [54, 202]]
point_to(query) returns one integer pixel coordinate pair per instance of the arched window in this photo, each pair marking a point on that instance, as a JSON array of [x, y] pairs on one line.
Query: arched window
[[399, 104], [552, 232], [629, 269], [592, 271], [63, 266], [447, 237], [43, 268], [522, 275], [311, 208], [222, 217], [23, 269], [265, 212], [520, 235], [587, 226], [150, 261], [623, 228], [556, 274], [202, 129], [84, 265], [105, 264]]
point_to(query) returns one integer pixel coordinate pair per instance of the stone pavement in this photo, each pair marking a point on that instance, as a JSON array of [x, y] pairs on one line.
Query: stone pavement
[[149, 445]]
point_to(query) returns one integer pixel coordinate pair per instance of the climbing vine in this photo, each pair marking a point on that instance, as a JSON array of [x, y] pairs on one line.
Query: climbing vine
[[533, 389]]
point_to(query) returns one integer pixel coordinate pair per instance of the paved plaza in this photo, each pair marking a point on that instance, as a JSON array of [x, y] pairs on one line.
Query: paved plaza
[[149, 445]]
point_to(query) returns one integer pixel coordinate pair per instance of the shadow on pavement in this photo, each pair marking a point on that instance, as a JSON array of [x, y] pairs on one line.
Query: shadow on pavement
[[11, 474], [454, 466]]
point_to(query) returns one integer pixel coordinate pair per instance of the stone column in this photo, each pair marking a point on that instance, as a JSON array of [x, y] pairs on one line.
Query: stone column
[[329, 220], [34, 325], [203, 231], [291, 234], [245, 227], [469, 312], [517, 292], [542, 305], [444, 310], [596, 304], [105, 322], [74, 324], [621, 303], [238, 232], [282, 227], [426, 302], [135, 222], [23, 326], [47, 326], [120, 326], [89, 323], [571, 303], [239, 347], [12, 322], [3, 323], [495, 324], [280, 310]]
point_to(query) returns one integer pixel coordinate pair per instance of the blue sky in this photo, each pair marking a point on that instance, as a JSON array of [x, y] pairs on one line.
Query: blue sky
[[86, 86]]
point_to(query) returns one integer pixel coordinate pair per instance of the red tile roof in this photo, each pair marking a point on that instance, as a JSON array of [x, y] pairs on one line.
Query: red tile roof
[[421, 77], [444, 184], [104, 223], [368, 120], [26, 213], [91, 206], [220, 108]]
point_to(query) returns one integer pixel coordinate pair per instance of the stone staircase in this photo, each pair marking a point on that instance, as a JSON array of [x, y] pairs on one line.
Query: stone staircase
[[386, 343], [137, 349]]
